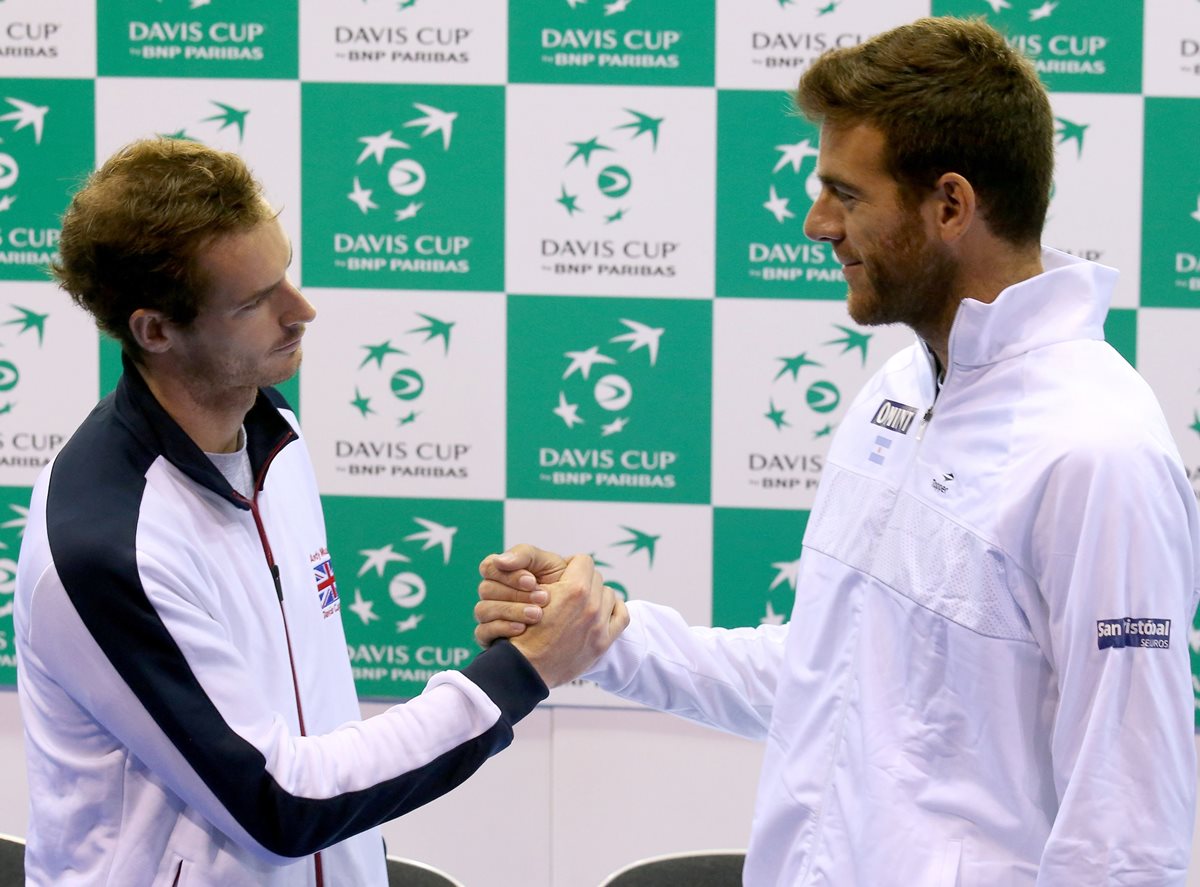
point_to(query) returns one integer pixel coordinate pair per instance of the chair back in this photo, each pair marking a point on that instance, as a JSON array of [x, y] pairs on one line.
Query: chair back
[[709, 868], [410, 873], [12, 861]]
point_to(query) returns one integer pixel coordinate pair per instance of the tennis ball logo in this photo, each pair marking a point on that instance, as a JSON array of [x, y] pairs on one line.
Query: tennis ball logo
[[9, 171], [614, 181], [613, 392], [407, 590], [823, 397], [406, 177], [9, 376], [407, 384]]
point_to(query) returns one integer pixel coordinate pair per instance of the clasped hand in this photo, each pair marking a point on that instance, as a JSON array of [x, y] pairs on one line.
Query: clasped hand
[[558, 613]]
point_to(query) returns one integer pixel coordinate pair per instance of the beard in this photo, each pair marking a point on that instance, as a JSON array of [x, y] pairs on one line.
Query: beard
[[910, 280]]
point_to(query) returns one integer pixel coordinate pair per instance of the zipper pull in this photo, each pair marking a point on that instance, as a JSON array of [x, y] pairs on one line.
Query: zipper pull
[[278, 584], [920, 428]]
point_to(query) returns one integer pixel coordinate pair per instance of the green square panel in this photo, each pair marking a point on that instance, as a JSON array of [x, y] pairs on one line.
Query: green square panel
[[14, 505], [756, 554], [407, 575], [1171, 204], [619, 408]]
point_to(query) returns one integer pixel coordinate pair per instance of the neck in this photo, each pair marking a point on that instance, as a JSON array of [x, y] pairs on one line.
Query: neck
[[212, 419], [980, 278]]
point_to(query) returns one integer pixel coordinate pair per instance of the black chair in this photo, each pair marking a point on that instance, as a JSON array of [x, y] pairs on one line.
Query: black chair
[[12, 861], [708, 868], [410, 873]]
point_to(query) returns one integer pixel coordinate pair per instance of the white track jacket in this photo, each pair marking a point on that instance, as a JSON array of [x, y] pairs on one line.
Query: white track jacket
[[985, 679], [189, 710]]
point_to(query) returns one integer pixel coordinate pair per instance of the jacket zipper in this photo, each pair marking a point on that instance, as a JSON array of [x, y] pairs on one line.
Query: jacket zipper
[[275, 578]]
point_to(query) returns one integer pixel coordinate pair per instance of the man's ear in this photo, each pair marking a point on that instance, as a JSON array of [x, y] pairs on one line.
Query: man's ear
[[956, 206], [151, 330]]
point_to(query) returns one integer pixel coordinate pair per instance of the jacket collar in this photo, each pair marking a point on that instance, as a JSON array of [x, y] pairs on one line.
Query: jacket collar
[[1068, 300], [267, 432]]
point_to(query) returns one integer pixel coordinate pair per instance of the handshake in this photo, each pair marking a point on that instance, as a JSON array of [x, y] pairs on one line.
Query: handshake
[[558, 613]]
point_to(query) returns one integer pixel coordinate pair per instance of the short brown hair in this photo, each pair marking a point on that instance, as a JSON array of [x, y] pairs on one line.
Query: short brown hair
[[131, 234], [949, 95]]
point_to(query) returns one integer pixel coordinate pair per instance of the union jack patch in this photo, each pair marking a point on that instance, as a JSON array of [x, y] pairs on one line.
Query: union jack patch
[[326, 587]]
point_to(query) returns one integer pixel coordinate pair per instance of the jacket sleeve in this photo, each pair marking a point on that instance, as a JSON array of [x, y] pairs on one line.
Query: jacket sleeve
[[1115, 556], [161, 676], [721, 677]]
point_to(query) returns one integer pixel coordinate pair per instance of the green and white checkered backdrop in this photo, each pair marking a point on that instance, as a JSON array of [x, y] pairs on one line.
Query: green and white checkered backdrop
[[556, 250]]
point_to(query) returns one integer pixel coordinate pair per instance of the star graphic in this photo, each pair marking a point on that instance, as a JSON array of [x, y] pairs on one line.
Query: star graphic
[[785, 3], [772, 618], [436, 328], [568, 200], [998, 5], [29, 320], [823, 432], [583, 361], [6, 201], [363, 609], [643, 123], [362, 197], [1069, 131], [378, 352], [828, 8], [409, 211], [787, 572], [586, 149], [408, 624], [377, 559], [408, 420], [1196, 214], [615, 217], [435, 120], [853, 339], [1195, 426], [434, 534], [616, 426], [778, 207], [794, 155], [27, 114], [231, 116], [574, 3], [793, 365], [196, 4], [776, 416], [360, 403], [568, 412], [641, 336], [616, 6], [179, 135], [1042, 11], [639, 541], [376, 146]]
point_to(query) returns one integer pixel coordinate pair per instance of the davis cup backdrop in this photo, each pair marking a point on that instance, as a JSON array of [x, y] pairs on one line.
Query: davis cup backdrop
[[556, 248]]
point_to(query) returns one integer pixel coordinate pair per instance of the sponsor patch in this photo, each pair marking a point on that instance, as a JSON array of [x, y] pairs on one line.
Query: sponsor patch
[[327, 591], [894, 416], [1133, 632]]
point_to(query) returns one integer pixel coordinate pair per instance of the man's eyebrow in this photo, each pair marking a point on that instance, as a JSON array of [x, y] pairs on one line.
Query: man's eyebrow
[[835, 182], [258, 294]]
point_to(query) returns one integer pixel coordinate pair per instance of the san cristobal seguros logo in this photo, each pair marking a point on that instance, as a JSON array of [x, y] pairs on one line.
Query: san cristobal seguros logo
[[403, 186], [621, 411]]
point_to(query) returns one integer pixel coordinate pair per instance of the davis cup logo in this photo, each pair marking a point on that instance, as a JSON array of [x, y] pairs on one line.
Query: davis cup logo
[[391, 581], [25, 321], [389, 383], [598, 400], [819, 396], [601, 171], [405, 177], [621, 552], [227, 120]]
